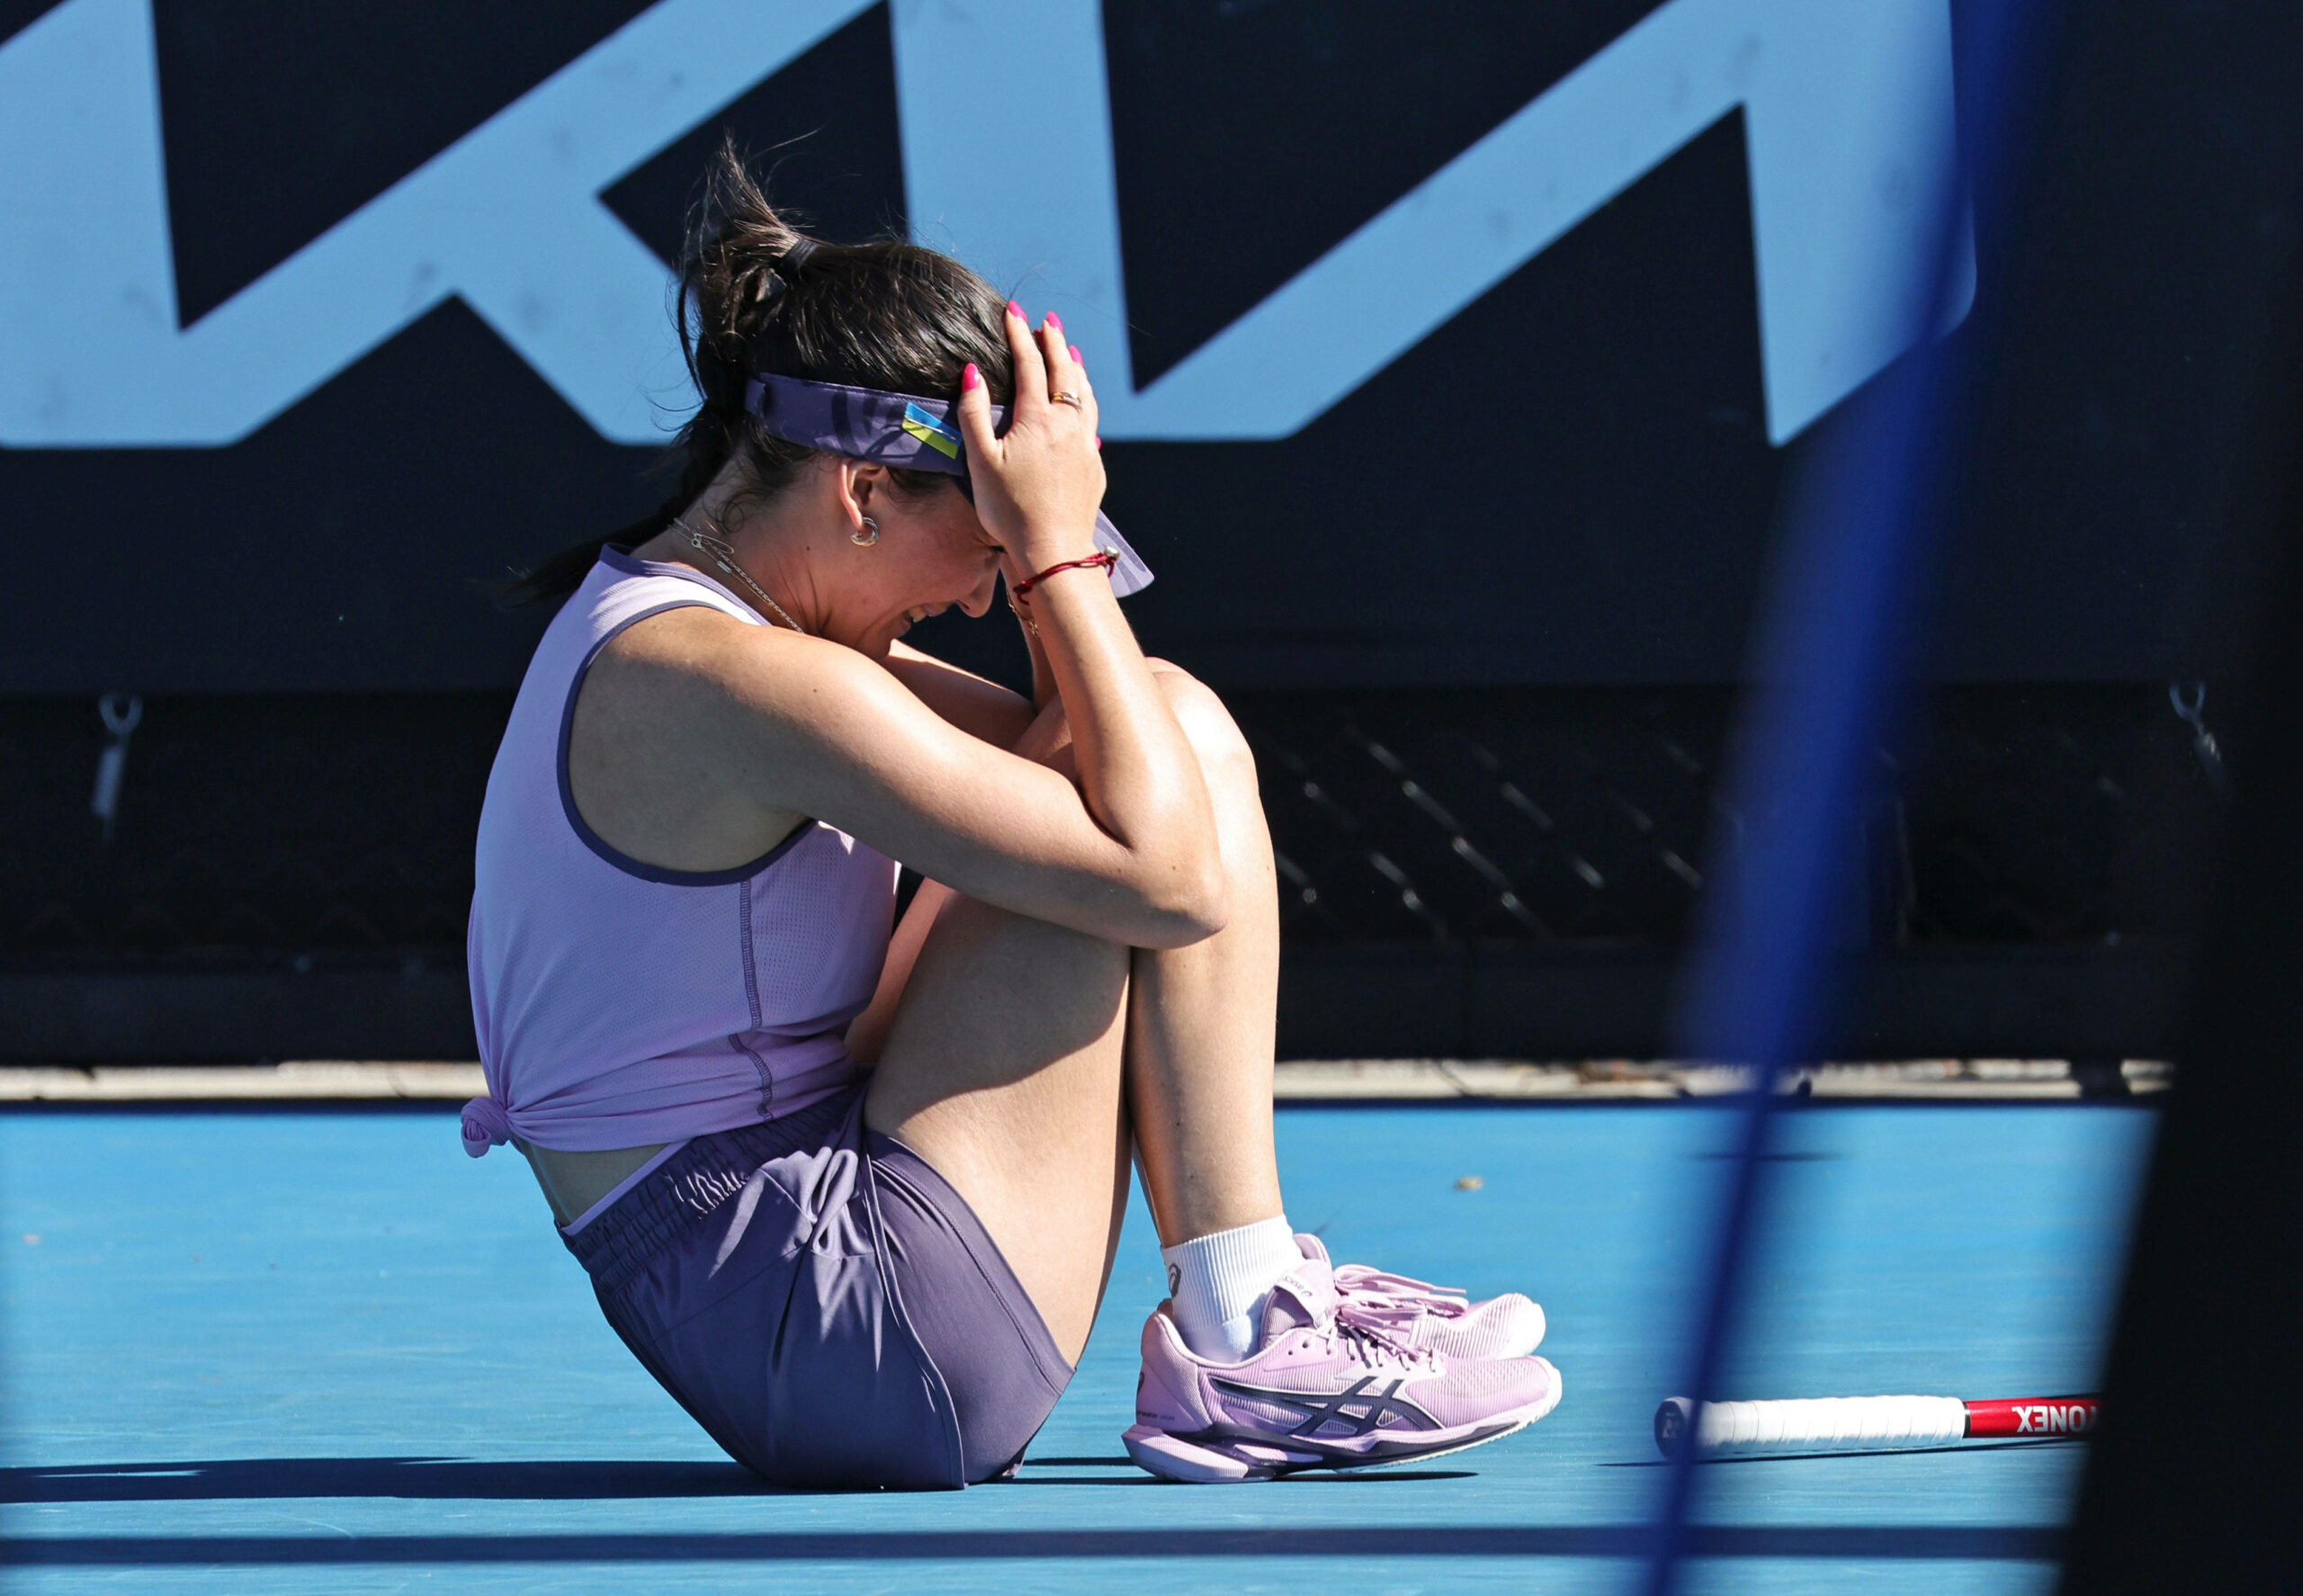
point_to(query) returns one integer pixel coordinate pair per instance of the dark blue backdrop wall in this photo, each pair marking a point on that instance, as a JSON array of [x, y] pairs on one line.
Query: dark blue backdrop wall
[[1569, 481]]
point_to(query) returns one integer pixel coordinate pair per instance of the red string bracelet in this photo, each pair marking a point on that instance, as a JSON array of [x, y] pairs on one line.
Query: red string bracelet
[[1103, 561]]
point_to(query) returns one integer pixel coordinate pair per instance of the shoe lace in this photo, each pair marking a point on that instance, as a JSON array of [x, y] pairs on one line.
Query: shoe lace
[[1376, 1331], [1400, 1294]]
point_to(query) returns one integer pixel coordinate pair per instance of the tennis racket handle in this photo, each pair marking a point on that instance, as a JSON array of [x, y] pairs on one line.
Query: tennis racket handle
[[1862, 1423], [2038, 1415]]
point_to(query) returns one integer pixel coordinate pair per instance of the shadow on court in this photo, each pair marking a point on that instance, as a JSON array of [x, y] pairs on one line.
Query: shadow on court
[[246, 1479], [1934, 1543], [257, 1478], [419, 1478]]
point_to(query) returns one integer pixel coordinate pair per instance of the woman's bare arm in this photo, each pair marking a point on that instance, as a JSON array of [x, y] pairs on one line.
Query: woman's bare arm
[[805, 727], [1036, 488], [981, 708]]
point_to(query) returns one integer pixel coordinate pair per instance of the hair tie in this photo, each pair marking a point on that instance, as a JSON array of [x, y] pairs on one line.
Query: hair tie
[[784, 272]]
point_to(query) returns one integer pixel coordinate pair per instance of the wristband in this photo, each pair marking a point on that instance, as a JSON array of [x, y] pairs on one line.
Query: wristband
[[1104, 559]]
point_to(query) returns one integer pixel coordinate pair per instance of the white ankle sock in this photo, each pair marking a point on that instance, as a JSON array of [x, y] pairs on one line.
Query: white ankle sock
[[1217, 1286]]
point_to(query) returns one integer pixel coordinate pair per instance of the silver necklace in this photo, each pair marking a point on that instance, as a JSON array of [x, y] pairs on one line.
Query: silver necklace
[[724, 557]]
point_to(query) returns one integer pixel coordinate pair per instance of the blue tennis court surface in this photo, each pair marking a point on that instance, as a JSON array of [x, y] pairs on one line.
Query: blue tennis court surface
[[290, 1351]]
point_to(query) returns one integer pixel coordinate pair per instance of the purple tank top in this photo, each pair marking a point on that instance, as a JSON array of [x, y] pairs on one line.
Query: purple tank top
[[618, 1003]]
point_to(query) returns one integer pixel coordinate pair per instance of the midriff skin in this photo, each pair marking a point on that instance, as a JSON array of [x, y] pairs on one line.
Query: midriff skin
[[573, 1181]]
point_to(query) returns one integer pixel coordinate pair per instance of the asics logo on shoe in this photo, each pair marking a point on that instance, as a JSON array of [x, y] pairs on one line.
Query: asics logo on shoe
[[1378, 1408]]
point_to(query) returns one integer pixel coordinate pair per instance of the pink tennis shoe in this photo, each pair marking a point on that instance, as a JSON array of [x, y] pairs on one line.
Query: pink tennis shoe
[[1334, 1383], [1439, 1318]]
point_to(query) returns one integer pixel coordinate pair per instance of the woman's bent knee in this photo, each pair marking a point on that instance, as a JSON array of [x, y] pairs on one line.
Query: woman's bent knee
[[1224, 757], [1214, 735]]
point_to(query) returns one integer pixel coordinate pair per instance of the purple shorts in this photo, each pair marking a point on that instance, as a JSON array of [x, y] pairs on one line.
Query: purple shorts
[[825, 1306]]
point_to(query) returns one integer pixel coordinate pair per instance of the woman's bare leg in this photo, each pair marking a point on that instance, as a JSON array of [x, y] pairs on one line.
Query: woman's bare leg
[[1006, 1045], [1002, 1069], [1201, 1018], [1000, 1066]]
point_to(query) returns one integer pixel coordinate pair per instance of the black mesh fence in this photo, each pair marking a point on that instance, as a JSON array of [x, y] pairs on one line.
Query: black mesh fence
[[2023, 815], [1544, 816], [1452, 863]]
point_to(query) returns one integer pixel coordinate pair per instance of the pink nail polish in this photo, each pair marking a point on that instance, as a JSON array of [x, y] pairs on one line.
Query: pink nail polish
[[1016, 310], [971, 379], [1075, 356], [1055, 321]]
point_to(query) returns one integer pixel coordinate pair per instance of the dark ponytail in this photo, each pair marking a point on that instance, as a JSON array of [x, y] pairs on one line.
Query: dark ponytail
[[756, 294]]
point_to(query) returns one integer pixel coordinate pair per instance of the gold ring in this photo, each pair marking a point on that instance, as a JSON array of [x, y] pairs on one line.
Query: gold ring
[[1068, 398]]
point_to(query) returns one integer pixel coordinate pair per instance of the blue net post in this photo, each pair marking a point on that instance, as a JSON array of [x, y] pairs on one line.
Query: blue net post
[[1835, 634]]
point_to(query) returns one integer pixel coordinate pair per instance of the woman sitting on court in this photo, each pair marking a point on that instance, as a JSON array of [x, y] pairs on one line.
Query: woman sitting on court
[[850, 1189]]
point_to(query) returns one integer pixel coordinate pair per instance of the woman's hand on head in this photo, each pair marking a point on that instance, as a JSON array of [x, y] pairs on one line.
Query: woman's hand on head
[[1038, 487]]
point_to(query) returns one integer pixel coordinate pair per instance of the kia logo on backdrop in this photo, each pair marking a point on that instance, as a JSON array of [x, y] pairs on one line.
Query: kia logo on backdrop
[[1847, 110]]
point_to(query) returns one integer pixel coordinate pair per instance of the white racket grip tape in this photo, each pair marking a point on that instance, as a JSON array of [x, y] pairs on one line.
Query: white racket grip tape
[[1815, 1424]]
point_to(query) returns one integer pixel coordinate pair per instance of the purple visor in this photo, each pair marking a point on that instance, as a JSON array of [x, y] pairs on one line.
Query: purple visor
[[898, 429]]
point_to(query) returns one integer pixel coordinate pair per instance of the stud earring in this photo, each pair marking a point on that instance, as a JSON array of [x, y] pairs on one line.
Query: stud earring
[[866, 538]]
